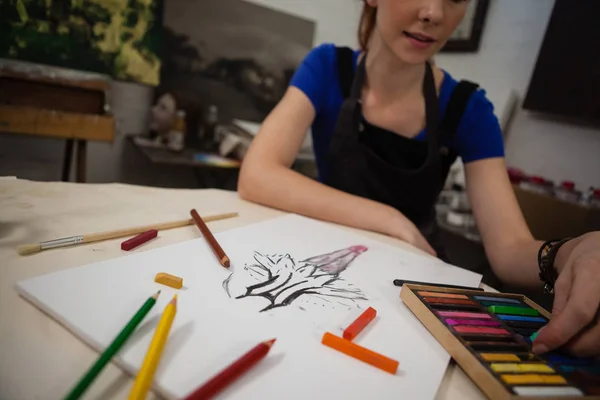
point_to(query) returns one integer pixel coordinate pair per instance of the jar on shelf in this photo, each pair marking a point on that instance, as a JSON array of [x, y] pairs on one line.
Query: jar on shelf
[[567, 192], [595, 199], [176, 136], [537, 184], [516, 175]]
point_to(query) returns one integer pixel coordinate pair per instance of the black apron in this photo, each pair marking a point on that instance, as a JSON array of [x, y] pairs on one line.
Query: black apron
[[355, 168]]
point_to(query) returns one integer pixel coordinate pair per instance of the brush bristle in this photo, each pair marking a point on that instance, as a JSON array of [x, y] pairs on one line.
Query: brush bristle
[[29, 248]]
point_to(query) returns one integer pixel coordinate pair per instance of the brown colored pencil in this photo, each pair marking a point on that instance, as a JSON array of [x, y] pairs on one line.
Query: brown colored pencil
[[215, 246]]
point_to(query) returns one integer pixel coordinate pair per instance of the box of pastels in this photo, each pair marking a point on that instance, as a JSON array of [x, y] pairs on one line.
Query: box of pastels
[[488, 335]]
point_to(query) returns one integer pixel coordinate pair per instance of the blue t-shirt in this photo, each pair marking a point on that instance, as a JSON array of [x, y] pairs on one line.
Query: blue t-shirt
[[478, 136]]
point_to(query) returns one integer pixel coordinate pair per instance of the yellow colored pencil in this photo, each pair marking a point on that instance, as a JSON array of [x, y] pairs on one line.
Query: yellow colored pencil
[[142, 383]]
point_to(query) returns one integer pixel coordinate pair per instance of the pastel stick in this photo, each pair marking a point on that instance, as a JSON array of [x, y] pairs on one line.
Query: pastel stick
[[482, 330], [545, 391], [476, 322], [520, 318], [514, 310], [497, 299]]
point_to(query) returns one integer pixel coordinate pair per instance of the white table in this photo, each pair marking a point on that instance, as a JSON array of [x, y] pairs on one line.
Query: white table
[[40, 359]]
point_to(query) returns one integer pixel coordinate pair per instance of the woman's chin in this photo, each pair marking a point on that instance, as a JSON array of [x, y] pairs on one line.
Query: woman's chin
[[412, 56]]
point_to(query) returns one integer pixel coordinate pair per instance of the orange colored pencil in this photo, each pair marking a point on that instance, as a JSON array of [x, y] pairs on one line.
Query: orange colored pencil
[[360, 323], [232, 372], [214, 245], [360, 353]]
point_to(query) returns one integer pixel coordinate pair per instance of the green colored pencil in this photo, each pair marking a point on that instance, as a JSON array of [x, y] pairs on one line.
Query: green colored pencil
[[112, 349]]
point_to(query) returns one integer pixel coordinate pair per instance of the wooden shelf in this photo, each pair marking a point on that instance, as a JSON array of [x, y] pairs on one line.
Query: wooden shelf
[[43, 122]]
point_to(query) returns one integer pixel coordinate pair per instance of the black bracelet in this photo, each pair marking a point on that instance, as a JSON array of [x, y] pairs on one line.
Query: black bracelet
[[546, 256]]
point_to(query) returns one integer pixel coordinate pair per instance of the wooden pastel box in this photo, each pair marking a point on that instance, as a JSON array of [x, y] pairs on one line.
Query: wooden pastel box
[[488, 335]]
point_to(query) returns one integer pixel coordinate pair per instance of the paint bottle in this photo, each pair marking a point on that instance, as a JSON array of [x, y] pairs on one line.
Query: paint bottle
[[176, 136]]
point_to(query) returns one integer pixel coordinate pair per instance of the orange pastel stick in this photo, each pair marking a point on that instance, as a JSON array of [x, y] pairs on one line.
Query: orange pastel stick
[[359, 324], [360, 353]]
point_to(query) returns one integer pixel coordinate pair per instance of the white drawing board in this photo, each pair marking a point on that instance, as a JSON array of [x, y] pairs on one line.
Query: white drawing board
[[306, 277]]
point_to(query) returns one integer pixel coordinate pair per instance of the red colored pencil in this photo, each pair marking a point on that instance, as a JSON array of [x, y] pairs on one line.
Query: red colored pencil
[[232, 372], [214, 245]]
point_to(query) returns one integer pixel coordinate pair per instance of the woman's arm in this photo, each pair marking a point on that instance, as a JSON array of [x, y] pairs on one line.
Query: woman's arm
[[509, 245], [512, 252], [508, 242], [266, 178]]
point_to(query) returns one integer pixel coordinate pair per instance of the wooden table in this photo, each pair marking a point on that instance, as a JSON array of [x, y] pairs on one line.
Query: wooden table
[[208, 175], [39, 359], [46, 106]]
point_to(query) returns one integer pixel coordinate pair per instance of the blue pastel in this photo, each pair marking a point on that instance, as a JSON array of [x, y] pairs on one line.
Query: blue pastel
[[497, 299], [520, 318]]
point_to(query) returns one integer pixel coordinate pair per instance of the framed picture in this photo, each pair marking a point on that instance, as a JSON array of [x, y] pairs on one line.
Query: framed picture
[[120, 38], [467, 37], [231, 54]]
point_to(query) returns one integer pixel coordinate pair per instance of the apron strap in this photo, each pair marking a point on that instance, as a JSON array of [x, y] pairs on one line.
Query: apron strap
[[431, 107], [345, 67], [359, 80], [456, 108]]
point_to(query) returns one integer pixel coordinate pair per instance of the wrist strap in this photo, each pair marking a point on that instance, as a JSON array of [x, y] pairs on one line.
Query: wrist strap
[[546, 256]]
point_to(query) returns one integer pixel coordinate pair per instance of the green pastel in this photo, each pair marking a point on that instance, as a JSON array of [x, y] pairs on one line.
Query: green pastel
[[513, 310], [532, 337]]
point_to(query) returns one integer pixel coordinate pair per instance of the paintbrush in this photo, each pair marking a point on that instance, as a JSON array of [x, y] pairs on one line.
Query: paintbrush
[[96, 237]]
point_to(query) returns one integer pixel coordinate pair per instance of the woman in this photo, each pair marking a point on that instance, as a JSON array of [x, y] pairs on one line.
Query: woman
[[383, 155]]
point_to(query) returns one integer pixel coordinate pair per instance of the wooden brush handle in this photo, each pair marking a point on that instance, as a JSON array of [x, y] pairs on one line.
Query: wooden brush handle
[[95, 237]]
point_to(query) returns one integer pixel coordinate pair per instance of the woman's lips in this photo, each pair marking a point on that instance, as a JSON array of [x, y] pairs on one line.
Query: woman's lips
[[419, 40]]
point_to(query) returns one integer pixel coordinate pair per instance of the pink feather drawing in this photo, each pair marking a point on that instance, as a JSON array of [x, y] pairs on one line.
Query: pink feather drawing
[[281, 281]]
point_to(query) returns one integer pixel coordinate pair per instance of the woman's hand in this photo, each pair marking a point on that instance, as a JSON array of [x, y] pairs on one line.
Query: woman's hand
[[402, 228], [575, 312]]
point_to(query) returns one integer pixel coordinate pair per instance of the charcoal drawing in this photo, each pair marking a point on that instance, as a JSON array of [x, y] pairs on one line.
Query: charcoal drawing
[[281, 280]]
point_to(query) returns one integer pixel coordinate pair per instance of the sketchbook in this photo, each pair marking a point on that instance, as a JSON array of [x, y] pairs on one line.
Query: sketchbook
[[291, 278]]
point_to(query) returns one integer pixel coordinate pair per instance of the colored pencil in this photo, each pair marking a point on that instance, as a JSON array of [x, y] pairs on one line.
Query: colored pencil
[[400, 282], [360, 353], [232, 372], [100, 236], [214, 245], [87, 379], [142, 383]]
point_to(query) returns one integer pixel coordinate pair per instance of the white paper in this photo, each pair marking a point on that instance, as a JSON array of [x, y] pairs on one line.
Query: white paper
[[212, 329]]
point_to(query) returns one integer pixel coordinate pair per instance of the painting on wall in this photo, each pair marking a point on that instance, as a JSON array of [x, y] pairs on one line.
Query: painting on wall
[[119, 38], [467, 36], [231, 54]]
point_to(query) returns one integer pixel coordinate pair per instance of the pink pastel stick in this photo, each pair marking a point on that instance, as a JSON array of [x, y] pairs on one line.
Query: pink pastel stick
[[461, 314], [481, 330], [476, 322]]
